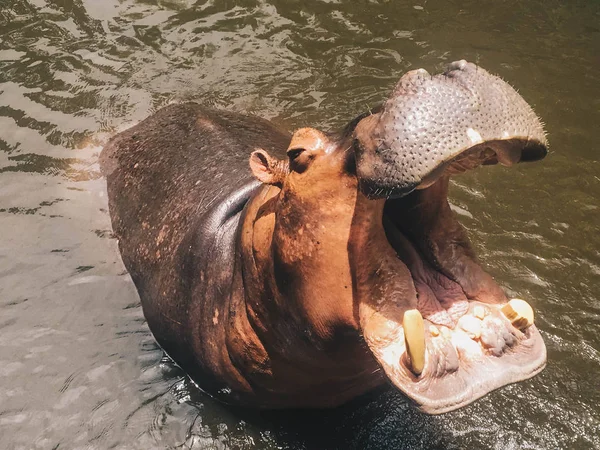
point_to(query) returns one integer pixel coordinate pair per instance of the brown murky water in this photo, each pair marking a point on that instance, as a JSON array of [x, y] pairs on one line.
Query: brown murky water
[[79, 368]]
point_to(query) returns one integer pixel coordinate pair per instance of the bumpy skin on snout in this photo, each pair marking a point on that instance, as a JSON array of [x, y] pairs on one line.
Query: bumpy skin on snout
[[429, 120]]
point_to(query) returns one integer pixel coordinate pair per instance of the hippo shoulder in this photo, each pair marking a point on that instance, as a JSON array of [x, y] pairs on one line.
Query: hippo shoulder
[[178, 163], [177, 183]]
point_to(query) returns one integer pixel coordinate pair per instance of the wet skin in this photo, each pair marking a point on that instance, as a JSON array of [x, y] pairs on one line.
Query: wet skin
[[287, 284]]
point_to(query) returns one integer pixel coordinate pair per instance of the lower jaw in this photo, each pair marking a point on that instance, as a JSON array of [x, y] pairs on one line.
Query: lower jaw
[[458, 367], [473, 366]]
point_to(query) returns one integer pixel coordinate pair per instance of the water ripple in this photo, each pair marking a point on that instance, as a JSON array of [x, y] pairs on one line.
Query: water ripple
[[78, 366]]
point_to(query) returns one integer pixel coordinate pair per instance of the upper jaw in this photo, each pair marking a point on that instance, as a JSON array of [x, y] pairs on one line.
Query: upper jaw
[[430, 121]]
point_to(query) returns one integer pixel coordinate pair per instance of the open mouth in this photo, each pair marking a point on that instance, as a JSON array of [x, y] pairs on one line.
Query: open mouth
[[460, 338], [439, 325]]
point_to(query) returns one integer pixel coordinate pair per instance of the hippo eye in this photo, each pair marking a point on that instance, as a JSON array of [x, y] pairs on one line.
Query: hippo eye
[[294, 153], [300, 158]]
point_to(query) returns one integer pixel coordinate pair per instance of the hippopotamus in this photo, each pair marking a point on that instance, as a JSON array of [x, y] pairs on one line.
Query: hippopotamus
[[301, 270]]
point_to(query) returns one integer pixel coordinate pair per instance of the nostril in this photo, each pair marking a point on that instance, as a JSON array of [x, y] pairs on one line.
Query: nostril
[[458, 65]]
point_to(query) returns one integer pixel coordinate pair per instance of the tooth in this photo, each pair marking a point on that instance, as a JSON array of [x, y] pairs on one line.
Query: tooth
[[433, 330], [468, 347], [479, 312], [492, 336], [446, 332], [519, 313], [471, 326], [414, 337]]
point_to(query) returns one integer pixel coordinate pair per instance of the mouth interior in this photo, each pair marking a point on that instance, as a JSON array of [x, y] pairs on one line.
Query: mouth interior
[[413, 225], [440, 299], [472, 348]]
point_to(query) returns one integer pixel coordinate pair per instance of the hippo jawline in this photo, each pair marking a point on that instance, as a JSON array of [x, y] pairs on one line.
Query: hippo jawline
[[471, 346]]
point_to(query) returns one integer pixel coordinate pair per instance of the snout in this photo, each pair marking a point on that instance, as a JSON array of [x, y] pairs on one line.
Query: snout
[[431, 124]]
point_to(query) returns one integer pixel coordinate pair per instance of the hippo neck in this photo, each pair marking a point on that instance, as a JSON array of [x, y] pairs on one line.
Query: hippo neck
[[299, 249], [290, 304]]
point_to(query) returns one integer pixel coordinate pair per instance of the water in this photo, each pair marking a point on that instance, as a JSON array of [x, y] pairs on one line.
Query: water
[[79, 368]]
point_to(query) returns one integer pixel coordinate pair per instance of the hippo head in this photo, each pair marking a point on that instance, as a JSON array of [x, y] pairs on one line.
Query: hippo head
[[429, 129], [375, 196]]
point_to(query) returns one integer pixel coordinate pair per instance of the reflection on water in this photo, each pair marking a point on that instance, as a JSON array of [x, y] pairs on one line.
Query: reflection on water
[[78, 366]]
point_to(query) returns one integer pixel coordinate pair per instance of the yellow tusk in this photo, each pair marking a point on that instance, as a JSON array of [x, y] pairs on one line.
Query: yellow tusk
[[414, 338], [519, 313]]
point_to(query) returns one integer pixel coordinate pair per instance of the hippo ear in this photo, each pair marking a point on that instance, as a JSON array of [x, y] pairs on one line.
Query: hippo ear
[[267, 169]]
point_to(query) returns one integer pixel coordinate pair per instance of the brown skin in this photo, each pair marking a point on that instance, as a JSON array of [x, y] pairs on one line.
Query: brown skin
[[301, 297], [231, 288]]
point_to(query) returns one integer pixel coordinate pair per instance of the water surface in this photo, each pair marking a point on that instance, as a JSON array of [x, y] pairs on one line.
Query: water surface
[[78, 366]]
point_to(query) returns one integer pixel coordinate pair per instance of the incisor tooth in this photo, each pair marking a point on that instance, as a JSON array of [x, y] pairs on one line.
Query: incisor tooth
[[471, 326], [519, 313], [414, 338], [479, 312]]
